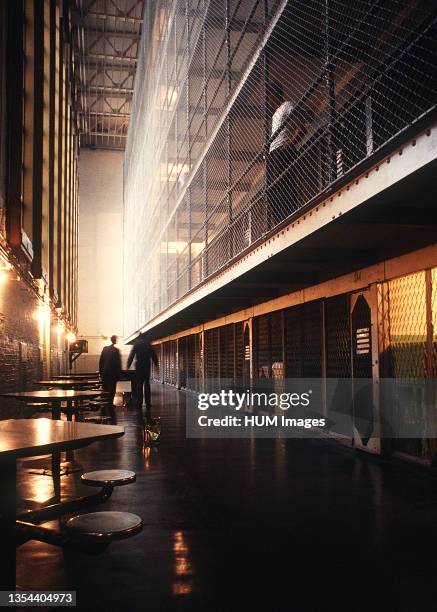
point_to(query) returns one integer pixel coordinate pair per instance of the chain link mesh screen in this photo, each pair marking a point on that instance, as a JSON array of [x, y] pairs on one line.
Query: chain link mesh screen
[[407, 337], [246, 110]]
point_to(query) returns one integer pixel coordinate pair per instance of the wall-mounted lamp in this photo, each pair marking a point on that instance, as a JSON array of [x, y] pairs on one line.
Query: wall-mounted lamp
[[71, 337], [42, 314]]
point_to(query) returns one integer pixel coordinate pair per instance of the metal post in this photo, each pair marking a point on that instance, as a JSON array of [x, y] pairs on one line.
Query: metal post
[[266, 78], [369, 125], [188, 55], [329, 77], [228, 129], [205, 161], [189, 236]]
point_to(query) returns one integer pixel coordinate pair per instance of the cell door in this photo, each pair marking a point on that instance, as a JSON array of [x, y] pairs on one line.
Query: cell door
[[364, 371], [247, 341], [243, 352]]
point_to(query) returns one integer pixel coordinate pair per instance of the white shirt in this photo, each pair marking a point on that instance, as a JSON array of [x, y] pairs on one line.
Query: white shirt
[[284, 137]]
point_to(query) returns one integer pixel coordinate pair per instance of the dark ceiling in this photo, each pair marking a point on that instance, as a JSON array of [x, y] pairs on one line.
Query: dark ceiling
[[106, 57]]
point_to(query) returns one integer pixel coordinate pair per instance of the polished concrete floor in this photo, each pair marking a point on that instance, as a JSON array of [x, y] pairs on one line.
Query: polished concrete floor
[[246, 525]]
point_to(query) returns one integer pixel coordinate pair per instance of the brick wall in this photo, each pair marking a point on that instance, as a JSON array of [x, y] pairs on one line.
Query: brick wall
[[24, 356]]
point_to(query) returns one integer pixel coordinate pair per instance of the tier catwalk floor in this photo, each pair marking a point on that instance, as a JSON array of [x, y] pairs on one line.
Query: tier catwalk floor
[[246, 525]]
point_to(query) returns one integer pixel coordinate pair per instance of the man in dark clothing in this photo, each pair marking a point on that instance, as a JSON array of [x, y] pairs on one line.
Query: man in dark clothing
[[110, 369], [144, 353]]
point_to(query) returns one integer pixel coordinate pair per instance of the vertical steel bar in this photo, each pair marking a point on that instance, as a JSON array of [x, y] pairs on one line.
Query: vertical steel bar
[[369, 125], [205, 161], [266, 115], [228, 152], [330, 92], [188, 52]]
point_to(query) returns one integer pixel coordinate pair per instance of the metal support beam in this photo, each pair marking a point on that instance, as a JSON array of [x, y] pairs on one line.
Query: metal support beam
[[107, 135], [119, 17], [115, 92], [108, 57], [113, 34], [107, 114], [102, 66]]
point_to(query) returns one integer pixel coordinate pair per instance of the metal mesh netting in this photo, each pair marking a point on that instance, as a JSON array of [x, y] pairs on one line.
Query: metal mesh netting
[[239, 350], [212, 357], [433, 347], [157, 370], [227, 352], [170, 374], [191, 351], [303, 341], [262, 346], [246, 110], [182, 361], [312, 340], [407, 312], [338, 341], [407, 326]]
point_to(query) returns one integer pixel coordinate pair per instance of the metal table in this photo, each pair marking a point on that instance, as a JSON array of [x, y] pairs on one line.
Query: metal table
[[77, 376], [67, 383], [31, 438], [55, 397]]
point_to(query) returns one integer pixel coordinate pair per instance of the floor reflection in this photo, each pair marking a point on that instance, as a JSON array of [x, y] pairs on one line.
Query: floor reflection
[[183, 585], [149, 454], [40, 488]]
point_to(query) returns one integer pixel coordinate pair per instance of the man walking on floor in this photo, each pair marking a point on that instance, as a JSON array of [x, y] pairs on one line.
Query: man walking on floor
[[110, 369], [144, 354]]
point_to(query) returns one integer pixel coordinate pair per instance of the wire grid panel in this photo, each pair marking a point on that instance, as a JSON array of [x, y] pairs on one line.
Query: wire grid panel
[[312, 346], [191, 357], [227, 352], [434, 322], [408, 326], [293, 342], [212, 358], [407, 313], [182, 361], [244, 111], [338, 340], [261, 335]]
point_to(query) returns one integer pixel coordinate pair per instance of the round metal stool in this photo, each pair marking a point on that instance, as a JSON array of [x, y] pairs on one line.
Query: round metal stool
[[104, 526], [112, 478]]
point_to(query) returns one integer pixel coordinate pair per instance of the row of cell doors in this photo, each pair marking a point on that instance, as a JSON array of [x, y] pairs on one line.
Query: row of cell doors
[[213, 357], [330, 344], [385, 331], [335, 339]]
